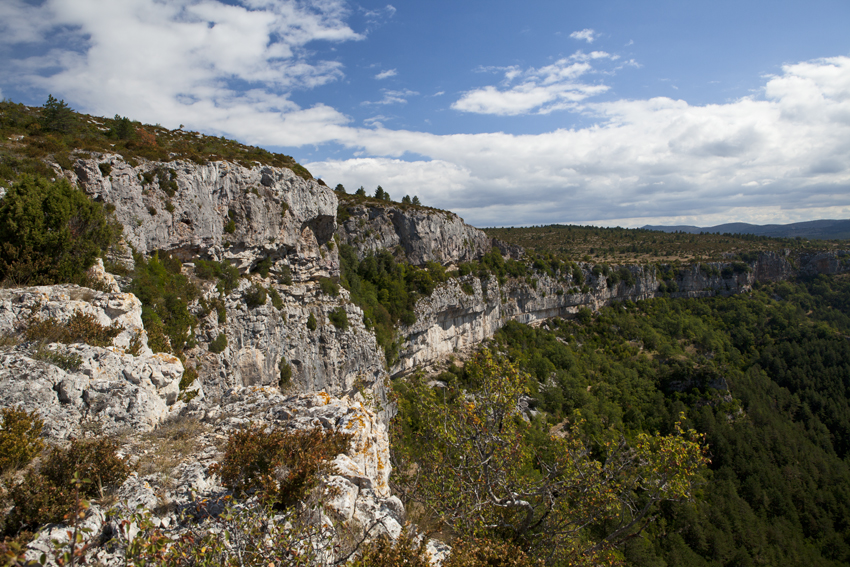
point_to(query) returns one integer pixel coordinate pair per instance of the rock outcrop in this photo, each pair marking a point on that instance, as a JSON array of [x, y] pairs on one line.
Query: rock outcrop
[[417, 234], [109, 389], [220, 210], [180, 492], [261, 338]]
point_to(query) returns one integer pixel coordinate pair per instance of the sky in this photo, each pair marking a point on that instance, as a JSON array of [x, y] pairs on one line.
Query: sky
[[604, 112]]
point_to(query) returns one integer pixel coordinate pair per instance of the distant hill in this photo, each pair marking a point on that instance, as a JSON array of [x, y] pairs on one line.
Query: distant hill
[[818, 229]]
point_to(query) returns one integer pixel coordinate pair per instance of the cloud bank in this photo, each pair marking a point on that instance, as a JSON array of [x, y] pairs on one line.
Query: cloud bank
[[781, 156]]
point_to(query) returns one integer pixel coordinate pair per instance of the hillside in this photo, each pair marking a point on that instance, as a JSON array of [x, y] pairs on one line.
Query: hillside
[[813, 230], [228, 343]]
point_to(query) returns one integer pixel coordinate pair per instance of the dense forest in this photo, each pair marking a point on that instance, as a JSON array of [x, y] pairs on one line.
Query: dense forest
[[765, 378]]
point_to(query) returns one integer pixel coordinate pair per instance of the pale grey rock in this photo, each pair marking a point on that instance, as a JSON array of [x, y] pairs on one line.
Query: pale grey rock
[[277, 214], [418, 234], [452, 320], [328, 358], [107, 388], [61, 302]]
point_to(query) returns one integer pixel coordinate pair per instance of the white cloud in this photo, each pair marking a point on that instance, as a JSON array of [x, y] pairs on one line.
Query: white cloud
[[586, 34], [780, 157], [386, 74], [540, 91], [393, 97], [177, 62]]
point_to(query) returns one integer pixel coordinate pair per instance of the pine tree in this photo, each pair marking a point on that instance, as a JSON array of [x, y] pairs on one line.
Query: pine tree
[[57, 116]]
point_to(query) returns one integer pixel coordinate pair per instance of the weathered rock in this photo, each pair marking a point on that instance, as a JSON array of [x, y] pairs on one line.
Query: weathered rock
[[107, 389], [453, 320], [187, 207], [338, 361], [419, 234]]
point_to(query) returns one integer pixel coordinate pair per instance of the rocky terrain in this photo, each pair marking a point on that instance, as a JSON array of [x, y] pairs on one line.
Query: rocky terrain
[[339, 381]]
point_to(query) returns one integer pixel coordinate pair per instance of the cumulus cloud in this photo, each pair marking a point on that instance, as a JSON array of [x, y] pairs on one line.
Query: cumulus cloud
[[386, 74], [198, 62], [539, 91], [586, 34], [781, 156]]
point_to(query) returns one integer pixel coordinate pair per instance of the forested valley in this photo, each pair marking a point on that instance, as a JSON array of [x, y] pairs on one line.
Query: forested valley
[[764, 376]]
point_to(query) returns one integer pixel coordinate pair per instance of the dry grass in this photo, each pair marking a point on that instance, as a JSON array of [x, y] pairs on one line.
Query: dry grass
[[168, 445]]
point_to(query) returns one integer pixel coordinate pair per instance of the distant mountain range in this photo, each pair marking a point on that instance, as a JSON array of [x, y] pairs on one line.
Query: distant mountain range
[[819, 229]]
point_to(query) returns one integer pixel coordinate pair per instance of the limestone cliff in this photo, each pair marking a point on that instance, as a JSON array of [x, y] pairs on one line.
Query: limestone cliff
[[219, 210], [226, 212], [452, 319], [417, 234]]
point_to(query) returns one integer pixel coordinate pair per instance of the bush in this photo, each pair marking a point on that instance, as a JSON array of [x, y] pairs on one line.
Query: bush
[[277, 300], [285, 276], [81, 328], [339, 318], [329, 287], [285, 369], [165, 294], [311, 322], [218, 344], [47, 496], [20, 438], [281, 466], [255, 296], [482, 552], [51, 233], [384, 552]]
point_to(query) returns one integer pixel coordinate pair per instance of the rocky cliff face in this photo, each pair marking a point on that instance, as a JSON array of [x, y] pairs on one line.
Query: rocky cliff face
[[453, 320], [419, 234], [220, 211], [226, 212], [338, 361], [108, 389]]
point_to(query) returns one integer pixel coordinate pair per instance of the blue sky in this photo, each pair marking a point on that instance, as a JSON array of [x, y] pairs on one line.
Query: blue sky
[[608, 112]]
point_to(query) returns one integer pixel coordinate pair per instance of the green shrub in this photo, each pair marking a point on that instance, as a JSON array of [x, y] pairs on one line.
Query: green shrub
[[329, 287], [482, 552], [285, 276], [311, 322], [255, 296], [263, 266], [467, 288], [20, 437], [226, 274], [277, 300], [51, 232], [406, 550], [165, 294], [81, 328], [285, 369], [218, 344], [282, 466], [339, 318]]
